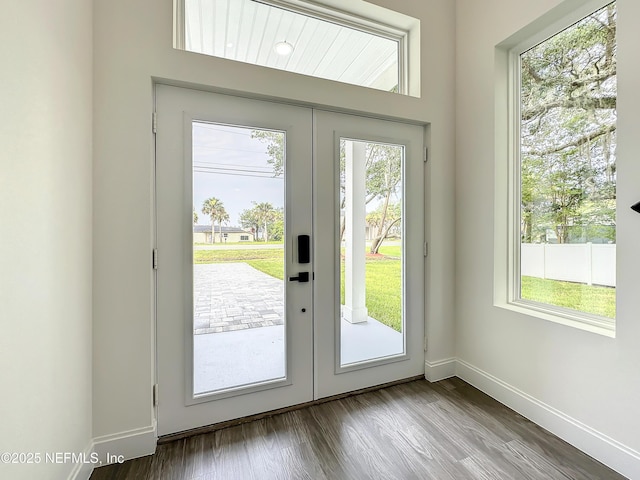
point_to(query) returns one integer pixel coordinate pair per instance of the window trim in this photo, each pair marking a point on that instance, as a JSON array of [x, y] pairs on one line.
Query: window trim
[[507, 245], [356, 21]]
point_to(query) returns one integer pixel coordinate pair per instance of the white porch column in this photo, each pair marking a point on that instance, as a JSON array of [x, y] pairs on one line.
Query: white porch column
[[355, 310]]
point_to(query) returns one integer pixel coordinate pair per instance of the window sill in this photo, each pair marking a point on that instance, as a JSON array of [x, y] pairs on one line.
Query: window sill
[[589, 323]]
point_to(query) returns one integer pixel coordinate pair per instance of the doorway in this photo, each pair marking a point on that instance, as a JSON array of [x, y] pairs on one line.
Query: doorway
[[290, 262]]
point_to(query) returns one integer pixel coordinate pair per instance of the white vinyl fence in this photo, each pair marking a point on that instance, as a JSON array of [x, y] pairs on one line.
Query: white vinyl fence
[[593, 264]]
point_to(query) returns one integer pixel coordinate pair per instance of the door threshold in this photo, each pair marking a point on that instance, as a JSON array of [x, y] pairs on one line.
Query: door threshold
[[172, 437]]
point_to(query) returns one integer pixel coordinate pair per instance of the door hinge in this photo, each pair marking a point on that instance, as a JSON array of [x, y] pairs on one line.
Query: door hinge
[[154, 122], [426, 154], [155, 395], [426, 249], [154, 258], [425, 343]]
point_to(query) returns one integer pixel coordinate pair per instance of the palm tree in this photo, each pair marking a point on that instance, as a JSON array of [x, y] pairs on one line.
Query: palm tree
[[265, 214], [215, 209]]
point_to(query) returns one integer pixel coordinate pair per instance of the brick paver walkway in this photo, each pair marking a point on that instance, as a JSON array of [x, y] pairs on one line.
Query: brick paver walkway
[[235, 296]]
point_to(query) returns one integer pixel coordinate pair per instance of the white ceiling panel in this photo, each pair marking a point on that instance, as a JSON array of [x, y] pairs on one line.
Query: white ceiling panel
[[247, 31]]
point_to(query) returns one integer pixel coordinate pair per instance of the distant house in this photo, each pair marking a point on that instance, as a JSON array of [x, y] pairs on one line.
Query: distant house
[[202, 234]]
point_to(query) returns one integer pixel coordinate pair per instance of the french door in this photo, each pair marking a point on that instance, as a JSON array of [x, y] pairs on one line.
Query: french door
[[290, 262], [368, 298]]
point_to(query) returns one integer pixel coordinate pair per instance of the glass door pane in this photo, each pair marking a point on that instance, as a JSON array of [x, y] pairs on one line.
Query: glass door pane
[[371, 245], [238, 257]]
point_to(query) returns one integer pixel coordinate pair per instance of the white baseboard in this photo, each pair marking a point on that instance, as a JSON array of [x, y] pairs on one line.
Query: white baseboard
[[127, 445], [115, 448], [612, 453], [440, 369], [82, 471]]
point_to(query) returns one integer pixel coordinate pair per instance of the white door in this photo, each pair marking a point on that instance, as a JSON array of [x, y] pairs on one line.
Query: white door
[[369, 302], [233, 338], [253, 256]]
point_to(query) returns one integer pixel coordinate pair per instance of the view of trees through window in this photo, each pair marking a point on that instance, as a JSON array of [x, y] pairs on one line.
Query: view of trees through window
[[568, 98], [373, 222]]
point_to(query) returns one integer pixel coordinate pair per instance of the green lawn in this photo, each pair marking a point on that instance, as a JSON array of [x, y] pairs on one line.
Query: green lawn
[[267, 260], [383, 282], [383, 290], [383, 276], [391, 251], [577, 296]]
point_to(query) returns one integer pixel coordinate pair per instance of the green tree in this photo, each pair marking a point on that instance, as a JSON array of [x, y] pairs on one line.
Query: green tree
[[384, 219], [250, 221], [275, 142], [195, 216], [265, 218], [214, 208], [265, 214], [568, 129], [383, 175], [276, 227]]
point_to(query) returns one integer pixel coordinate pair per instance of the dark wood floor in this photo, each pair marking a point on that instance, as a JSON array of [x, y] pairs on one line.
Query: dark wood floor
[[418, 430]]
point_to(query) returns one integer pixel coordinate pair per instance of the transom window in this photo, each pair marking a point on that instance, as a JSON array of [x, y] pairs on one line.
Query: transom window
[[563, 258], [291, 37]]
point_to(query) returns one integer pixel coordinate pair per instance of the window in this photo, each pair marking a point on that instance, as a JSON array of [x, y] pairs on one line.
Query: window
[[298, 37], [563, 222], [244, 238]]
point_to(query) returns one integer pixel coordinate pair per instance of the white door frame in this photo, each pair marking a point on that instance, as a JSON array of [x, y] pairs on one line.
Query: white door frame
[[313, 370]]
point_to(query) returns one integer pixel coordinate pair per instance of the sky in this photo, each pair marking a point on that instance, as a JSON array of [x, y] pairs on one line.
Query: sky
[[231, 166]]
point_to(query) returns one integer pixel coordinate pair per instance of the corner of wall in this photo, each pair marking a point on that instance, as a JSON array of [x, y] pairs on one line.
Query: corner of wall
[[440, 369], [122, 446], [603, 448]]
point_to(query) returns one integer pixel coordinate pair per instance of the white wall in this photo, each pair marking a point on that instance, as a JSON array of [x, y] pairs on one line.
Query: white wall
[[581, 385], [133, 45], [45, 233]]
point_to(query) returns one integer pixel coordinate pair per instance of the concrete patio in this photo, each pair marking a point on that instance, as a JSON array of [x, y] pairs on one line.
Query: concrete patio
[[239, 330]]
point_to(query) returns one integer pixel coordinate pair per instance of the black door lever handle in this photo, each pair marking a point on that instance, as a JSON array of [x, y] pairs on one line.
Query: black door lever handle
[[302, 277], [636, 207]]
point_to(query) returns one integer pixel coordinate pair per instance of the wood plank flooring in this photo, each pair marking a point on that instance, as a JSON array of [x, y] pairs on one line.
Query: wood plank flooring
[[419, 430]]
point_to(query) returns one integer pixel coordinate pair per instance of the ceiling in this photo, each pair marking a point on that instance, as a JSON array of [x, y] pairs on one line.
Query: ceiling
[[247, 31]]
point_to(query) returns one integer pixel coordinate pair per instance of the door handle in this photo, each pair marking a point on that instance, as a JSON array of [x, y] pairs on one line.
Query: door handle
[[636, 207], [303, 277]]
